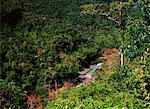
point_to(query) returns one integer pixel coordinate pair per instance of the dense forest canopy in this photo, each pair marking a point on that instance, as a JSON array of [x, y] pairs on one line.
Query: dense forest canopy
[[48, 42]]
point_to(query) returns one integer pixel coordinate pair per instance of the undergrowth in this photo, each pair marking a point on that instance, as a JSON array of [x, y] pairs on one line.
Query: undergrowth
[[125, 88]]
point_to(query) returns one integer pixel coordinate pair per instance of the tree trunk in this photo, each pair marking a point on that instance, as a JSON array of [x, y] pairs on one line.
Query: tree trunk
[[122, 59], [122, 27]]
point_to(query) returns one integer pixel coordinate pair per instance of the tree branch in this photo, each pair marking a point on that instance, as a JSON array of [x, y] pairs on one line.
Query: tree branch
[[108, 17]]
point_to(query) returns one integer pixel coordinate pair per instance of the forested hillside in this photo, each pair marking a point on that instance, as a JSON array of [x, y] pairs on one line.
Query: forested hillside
[[74, 54]]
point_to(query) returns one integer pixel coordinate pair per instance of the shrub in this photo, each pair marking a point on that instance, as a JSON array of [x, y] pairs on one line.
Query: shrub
[[12, 96], [123, 88]]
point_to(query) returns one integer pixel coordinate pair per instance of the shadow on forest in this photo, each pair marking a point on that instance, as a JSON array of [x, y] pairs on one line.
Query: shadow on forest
[[12, 18]]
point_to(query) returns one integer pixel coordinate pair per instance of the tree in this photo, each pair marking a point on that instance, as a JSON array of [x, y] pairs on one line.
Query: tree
[[114, 11]]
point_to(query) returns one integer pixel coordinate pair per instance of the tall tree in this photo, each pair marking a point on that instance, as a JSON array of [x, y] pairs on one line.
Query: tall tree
[[114, 11]]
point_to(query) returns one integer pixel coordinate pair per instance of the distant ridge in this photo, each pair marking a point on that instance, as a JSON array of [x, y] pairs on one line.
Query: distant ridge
[[112, 0]]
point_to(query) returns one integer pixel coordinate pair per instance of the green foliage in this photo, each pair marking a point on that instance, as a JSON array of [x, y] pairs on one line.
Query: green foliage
[[123, 89], [12, 96], [30, 43], [109, 10], [34, 33], [137, 35]]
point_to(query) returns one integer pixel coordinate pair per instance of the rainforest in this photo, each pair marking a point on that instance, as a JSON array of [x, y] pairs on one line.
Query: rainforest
[[75, 54]]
